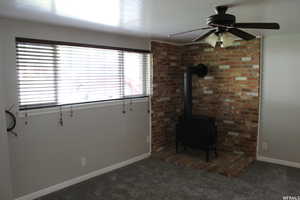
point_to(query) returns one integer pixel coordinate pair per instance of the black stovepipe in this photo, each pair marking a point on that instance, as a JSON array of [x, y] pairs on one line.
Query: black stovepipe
[[199, 70]]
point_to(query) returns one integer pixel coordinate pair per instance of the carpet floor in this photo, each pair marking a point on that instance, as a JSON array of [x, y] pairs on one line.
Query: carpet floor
[[152, 179]]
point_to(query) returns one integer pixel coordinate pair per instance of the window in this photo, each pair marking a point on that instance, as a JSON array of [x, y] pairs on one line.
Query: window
[[57, 73]]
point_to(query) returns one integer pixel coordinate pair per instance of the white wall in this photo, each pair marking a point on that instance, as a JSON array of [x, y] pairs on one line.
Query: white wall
[[281, 98], [45, 153], [5, 179]]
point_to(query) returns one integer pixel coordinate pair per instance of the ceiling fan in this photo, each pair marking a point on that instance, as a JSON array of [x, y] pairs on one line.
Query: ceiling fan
[[220, 24]]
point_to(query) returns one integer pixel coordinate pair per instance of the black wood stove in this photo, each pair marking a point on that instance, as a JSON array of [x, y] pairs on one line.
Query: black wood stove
[[195, 131]]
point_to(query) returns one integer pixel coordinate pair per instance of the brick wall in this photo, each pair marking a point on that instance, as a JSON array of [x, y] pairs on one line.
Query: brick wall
[[230, 92], [167, 100]]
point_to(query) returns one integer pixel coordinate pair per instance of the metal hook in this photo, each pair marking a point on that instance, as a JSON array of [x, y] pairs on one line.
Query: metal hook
[[124, 107], [12, 126], [130, 105], [14, 133], [11, 107], [71, 112], [61, 121], [26, 118]]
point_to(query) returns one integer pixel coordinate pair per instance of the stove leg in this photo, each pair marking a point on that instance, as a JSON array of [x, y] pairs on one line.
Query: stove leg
[[207, 155]]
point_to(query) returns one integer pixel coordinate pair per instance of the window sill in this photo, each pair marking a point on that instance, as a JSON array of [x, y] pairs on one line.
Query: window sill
[[42, 111]]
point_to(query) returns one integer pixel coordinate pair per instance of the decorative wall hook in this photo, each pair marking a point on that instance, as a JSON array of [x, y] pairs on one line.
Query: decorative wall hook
[[61, 121], [131, 103], [11, 126], [26, 118], [124, 106], [11, 107], [71, 112]]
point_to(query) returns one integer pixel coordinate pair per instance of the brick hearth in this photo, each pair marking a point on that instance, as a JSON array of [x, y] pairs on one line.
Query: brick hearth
[[227, 163]]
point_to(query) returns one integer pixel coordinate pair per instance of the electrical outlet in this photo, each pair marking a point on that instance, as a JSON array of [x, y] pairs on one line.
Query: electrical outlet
[[83, 161], [265, 146]]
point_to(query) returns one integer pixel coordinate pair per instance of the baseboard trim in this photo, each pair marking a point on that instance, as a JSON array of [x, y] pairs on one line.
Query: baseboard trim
[[79, 179], [278, 161]]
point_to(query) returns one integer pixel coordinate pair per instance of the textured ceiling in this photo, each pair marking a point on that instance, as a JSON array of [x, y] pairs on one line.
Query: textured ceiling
[[151, 18]]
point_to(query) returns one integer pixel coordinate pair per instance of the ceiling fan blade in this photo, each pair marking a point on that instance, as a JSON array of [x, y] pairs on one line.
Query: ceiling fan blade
[[201, 37], [184, 32], [257, 25], [241, 34]]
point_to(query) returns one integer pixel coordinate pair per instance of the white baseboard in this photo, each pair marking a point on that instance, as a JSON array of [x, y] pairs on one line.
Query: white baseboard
[[79, 179], [279, 162]]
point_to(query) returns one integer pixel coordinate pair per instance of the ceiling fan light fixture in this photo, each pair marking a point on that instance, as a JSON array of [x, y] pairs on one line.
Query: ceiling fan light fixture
[[212, 40], [227, 40], [221, 23]]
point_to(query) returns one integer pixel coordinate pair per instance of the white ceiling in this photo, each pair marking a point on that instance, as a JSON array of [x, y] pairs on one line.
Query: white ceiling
[[151, 18]]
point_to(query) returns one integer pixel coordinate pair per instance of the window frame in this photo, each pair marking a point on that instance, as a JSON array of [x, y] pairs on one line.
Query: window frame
[[55, 104]]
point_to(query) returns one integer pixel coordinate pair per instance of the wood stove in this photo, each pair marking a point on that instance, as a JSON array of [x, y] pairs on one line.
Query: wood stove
[[195, 131]]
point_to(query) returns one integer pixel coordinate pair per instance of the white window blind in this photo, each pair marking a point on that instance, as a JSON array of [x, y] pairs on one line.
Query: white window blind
[[55, 74]]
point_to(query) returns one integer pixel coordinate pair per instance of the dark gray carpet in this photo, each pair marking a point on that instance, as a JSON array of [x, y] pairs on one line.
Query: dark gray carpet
[[156, 180]]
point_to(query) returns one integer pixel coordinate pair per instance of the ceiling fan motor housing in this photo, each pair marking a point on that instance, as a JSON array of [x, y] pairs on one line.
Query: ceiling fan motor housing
[[221, 19]]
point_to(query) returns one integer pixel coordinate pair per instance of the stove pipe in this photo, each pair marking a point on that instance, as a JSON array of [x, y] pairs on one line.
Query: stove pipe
[[199, 70]]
